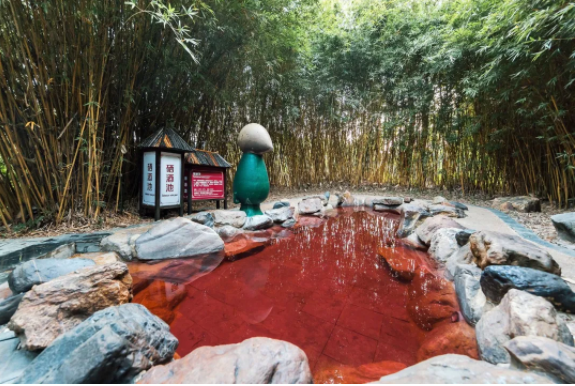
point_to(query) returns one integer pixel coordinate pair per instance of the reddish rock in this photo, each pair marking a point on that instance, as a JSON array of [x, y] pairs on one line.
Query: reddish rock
[[242, 248], [161, 299], [431, 299], [401, 261], [357, 375], [449, 338]]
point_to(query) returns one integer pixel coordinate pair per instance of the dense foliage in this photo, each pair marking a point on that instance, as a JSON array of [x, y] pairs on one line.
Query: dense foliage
[[470, 94]]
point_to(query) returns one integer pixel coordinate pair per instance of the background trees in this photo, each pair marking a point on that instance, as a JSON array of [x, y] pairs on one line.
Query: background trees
[[476, 94]]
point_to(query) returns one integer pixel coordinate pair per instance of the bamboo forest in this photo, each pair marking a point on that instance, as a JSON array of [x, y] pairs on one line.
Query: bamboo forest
[[476, 95]]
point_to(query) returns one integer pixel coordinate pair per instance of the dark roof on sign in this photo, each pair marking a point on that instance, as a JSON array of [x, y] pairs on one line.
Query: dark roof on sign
[[166, 138], [206, 158]]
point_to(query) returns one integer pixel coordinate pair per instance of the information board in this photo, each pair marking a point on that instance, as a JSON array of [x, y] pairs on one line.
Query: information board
[[207, 184], [170, 179], [149, 179]]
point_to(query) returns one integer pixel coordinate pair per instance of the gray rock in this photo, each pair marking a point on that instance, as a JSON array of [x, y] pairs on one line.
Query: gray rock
[[463, 236], [112, 346], [289, 223], [254, 138], [33, 272], [494, 248], [64, 251], [281, 214], [178, 238], [327, 195], [204, 218], [388, 209], [413, 215], [524, 204], [281, 204], [235, 218], [446, 210], [544, 355], [428, 228], [123, 242], [518, 314], [258, 222], [438, 200], [414, 242], [253, 361], [228, 232], [468, 290], [443, 244], [12, 361], [8, 307], [459, 369], [388, 201], [310, 205], [458, 205], [461, 256], [497, 280], [564, 223]]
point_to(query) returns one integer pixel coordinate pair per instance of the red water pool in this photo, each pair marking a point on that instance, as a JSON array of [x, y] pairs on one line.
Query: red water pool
[[323, 288]]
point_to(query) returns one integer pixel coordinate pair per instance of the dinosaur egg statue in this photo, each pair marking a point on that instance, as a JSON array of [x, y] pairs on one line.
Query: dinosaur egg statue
[[251, 182]]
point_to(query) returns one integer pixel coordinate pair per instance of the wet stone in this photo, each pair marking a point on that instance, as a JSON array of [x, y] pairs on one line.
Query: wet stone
[[564, 223], [468, 290]]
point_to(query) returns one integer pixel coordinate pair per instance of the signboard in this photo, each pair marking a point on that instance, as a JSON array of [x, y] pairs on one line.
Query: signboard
[[207, 184], [170, 179], [149, 179]]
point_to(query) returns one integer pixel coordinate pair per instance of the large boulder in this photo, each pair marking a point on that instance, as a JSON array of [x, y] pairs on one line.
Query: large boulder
[[524, 204], [123, 242], [8, 307], [12, 361], [310, 205], [258, 222], [53, 308], [443, 244], [176, 239], [281, 215], [497, 280], [426, 230], [564, 223], [253, 361], [494, 248], [468, 290], [33, 272], [112, 346], [235, 218], [254, 138], [453, 368], [545, 355], [518, 314]]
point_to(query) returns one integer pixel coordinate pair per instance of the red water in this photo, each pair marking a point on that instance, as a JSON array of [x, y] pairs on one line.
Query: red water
[[324, 289]]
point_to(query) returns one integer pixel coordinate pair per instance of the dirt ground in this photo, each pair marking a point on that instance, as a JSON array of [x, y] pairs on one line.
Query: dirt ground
[[540, 223]]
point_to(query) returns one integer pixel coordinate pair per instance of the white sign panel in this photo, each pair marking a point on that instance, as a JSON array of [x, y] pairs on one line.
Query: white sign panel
[[170, 179], [149, 179]]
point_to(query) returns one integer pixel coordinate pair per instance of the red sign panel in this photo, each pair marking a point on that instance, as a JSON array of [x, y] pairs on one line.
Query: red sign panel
[[207, 184]]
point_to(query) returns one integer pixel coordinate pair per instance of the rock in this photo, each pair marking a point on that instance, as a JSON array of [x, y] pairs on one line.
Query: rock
[[414, 242], [258, 222], [254, 138], [446, 210], [228, 232], [50, 309], [493, 248], [564, 223], [12, 361], [506, 207], [289, 223], [327, 195], [5, 291], [34, 272], [545, 355], [161, 299], [450, 338], [518, 314], [438, 200], [281, 204], [431, 299], [242, 248], [497, 280], [123, 243], [463, 236], [204, 218], [388, 201], [178, 238], [402, 264], [413, 216], [112, 346], [468, 290], [388, 209], [524, 204], [64, 251], [369, 372], [459, 369], [310, 206], [461, 256], [407, 200], [8, 307], [253, 361], [235, 218], [281, 215], [458, 205], [426, 230], [443, 244]]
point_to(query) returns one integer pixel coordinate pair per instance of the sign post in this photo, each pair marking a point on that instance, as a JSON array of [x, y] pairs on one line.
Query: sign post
[[205, 183]]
